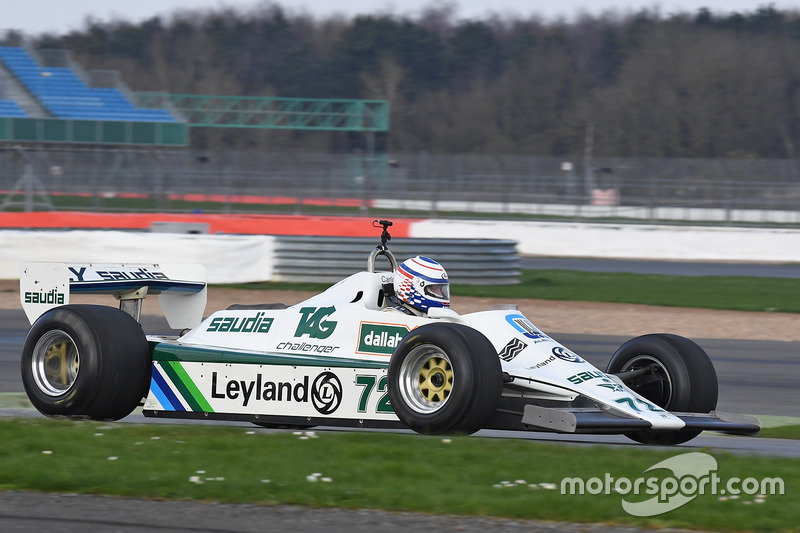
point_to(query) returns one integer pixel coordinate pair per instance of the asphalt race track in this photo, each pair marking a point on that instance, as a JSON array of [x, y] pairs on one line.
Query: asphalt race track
[[70, 513], [755, 377]]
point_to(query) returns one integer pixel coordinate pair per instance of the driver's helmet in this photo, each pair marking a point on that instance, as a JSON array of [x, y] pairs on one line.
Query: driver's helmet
[[422, 283]]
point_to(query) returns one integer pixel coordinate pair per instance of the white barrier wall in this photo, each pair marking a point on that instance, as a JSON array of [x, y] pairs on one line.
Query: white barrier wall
[[246, 258], [227, 258], [624, 241]]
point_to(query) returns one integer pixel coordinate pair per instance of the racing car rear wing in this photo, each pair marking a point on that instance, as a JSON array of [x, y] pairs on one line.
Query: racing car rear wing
[[181, 289]]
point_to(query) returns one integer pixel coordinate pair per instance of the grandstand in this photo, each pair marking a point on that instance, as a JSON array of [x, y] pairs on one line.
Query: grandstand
[[45, 102], [64, 95], [10, 108]]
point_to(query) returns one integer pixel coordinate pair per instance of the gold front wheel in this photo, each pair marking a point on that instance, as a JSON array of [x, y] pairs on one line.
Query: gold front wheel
[[426, 378], [444, 378]]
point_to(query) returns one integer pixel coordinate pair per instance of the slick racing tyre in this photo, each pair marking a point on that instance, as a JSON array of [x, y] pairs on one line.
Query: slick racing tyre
[[445, 379], [680, 378], [86, 361]]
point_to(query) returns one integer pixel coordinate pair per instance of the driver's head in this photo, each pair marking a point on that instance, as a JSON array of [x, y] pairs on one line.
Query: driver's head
[[422, 283]]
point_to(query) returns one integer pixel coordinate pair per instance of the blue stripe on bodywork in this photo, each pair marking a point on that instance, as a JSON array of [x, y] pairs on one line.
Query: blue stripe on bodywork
[[165, 396]]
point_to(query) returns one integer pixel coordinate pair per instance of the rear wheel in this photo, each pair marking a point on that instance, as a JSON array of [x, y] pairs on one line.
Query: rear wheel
[[86, 361], [674, 373], [445, 378]]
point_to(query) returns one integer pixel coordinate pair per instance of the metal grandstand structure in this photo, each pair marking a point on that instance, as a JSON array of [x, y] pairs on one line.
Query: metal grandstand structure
[[275, 113], [61, 104]]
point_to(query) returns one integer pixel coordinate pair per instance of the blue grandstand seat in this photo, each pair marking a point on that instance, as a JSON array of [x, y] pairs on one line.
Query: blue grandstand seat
[[64, 95], [10, 108]]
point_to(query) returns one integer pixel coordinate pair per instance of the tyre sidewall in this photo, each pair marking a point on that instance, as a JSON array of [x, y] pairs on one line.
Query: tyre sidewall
[[694, 383], [488, 386], [693, 377], [126, 364], [114, 366], [76, 399], [466, 408]]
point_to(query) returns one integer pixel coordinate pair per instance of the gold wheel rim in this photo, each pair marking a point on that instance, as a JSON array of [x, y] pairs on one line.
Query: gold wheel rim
[[436, 379], [426, 379], [55, 363]]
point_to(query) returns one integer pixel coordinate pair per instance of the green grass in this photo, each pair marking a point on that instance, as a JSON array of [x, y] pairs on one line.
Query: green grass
[[399, 472], [713, 292], [144, 205], [781, 432]]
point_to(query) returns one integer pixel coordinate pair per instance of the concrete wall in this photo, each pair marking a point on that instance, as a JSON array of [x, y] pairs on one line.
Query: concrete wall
[[628, 241]]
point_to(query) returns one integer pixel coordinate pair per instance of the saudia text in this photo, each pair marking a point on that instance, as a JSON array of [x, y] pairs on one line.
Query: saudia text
[[142, 273], [253, 324], [50, 297]]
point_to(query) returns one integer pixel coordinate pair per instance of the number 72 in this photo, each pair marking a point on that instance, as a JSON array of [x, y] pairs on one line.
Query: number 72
[[368, 382]]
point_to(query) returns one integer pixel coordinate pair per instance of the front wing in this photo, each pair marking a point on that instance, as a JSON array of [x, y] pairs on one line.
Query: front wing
[[514, 414]]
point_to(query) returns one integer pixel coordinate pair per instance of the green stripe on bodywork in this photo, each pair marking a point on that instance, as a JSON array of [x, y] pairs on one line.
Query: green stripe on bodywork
[[175, 352], [177, 374]]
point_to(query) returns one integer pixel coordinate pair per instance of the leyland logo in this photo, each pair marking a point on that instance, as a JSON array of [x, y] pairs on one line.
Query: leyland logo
[[380, 339]]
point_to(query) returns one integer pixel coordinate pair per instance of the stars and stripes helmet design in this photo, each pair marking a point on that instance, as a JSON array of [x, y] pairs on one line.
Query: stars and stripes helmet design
[[422, 283]]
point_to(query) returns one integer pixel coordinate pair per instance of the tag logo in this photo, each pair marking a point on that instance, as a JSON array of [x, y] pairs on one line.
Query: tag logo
[[313, 323]]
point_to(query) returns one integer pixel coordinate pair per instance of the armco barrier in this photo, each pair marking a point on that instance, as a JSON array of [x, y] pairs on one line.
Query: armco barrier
[[467, 261]]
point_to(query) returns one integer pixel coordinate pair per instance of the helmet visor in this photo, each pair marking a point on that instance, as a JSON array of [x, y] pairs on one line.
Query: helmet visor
[[439, 291]]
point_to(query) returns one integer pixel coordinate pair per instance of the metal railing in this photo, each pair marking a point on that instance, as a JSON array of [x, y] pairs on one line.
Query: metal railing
[[319, 114], [726, 191]]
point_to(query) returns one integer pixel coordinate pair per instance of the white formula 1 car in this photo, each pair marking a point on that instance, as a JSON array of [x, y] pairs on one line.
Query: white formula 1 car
[[340, 359]]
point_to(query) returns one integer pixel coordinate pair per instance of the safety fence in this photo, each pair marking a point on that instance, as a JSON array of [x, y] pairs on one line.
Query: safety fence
[[116, 179]]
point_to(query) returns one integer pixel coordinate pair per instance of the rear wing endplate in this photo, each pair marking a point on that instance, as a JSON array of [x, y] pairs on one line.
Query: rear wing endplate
[[181, 289]]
